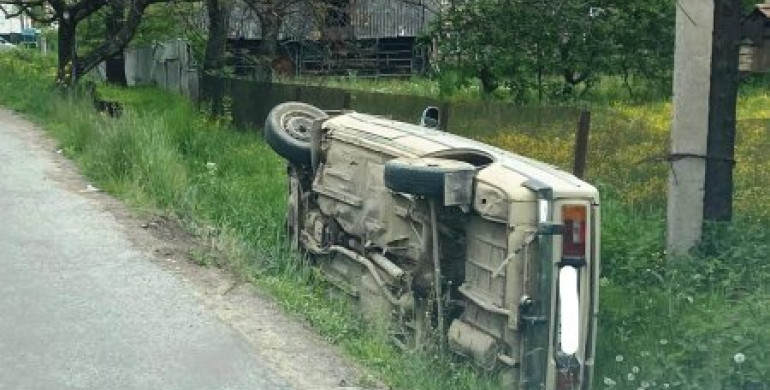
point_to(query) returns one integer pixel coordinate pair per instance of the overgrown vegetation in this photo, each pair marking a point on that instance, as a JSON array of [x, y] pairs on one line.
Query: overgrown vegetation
[[690, 324], [699, 324], [545, 51], [164, 155]]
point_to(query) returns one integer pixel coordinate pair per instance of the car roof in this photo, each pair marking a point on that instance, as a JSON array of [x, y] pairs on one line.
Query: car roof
[[410, 140]]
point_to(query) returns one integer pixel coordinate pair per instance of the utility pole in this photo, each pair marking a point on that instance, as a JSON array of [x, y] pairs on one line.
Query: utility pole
[[703, 133]]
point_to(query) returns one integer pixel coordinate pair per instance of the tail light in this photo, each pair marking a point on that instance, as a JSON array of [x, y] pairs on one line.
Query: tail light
[[574, 238], [573, 258]]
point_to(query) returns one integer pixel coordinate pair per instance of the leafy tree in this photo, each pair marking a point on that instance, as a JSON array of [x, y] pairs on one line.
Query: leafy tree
[[218, 12], [555, 47], [643, 36], [68, 15]]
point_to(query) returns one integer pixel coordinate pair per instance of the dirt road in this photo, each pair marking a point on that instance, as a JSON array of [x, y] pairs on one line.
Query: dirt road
[[92, 297]]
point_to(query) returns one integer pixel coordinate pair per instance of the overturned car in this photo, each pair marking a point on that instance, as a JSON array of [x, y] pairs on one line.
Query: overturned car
[[439, 234]]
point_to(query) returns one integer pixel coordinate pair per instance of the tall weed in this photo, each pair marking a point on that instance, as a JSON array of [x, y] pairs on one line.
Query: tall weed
[[699, 323]]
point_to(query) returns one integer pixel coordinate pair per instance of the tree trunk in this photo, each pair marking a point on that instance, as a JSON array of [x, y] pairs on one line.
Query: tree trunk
[[271, 25], [489, 82], [216, 44], [67, 72], [116, 43], [114, 21]]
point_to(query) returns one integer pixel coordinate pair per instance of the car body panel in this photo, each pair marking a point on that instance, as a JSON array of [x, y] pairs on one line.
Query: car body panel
[[420, 141], [499, 248]]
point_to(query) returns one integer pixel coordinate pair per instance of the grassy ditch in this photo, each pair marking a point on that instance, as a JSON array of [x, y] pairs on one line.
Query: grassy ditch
[[696, 324], [163, 155]]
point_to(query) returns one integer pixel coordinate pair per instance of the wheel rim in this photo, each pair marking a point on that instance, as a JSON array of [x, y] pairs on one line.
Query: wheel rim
[[297, 125]]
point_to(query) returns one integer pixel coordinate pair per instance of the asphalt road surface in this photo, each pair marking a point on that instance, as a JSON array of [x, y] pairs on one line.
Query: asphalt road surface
[[81, 308]]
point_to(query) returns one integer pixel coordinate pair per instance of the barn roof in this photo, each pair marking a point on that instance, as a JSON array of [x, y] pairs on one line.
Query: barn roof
[[367, 19]]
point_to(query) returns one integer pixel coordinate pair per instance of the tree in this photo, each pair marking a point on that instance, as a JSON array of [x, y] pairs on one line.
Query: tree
[[271, 15], [218, 12], [644, 40], [556, 47], [68, 14], [114, 20], [481, 39]]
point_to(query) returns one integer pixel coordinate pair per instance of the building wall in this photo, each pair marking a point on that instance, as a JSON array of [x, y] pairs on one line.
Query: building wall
[[13, 25], [368, 19], [380, 19], [754, 54]]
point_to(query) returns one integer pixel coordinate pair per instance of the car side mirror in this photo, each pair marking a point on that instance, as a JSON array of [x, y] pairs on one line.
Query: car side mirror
[[430, 117]]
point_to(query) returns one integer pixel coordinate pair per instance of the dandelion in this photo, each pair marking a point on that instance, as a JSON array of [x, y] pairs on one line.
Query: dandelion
[[609, 382], [619, 358], [645, 384], [666, 385], [663, 341], [635, 369], [631, 377], [739, 358]]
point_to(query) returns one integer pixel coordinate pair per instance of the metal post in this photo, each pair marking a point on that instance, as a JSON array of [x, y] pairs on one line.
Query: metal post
[[437, 272]]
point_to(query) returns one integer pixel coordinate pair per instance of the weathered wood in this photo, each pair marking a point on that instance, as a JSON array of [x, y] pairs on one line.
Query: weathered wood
[[443, 121], [755, 40], [581, 144], [722, 102]]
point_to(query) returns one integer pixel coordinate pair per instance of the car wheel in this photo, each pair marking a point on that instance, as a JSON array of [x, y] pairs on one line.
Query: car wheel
[[428, 177], [287, 130]]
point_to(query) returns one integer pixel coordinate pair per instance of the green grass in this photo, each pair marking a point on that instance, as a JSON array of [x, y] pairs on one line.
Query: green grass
[[677, 325], [451, 87], [163, 155]]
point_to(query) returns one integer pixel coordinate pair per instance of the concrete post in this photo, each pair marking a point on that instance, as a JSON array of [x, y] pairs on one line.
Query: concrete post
[[703, 133], [689, 134]]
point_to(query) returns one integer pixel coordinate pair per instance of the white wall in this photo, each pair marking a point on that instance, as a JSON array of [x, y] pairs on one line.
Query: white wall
[[13, 25]]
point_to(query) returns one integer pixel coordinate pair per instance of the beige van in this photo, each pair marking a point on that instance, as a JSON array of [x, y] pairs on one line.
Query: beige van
[[496, 253]]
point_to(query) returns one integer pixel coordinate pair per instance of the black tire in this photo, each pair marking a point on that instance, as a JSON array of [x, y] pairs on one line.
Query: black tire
[[424, 176], [287, 130]]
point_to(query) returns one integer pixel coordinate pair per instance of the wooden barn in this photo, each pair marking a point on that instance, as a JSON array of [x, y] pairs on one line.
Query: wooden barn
[[755, 40], [363, 38]]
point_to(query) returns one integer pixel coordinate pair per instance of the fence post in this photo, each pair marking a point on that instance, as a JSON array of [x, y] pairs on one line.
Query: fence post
[[581, 144], [298, 94], [443, 114]]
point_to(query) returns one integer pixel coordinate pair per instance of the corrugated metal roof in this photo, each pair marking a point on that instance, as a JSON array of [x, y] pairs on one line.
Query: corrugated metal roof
[[368, 19], [380, 19]]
